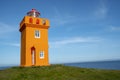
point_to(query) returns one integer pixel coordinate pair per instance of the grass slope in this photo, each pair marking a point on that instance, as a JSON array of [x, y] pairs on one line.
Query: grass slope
[[58, 72]]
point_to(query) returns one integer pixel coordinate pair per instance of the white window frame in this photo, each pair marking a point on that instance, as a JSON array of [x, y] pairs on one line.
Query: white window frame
[[42, 54], [37, 34]]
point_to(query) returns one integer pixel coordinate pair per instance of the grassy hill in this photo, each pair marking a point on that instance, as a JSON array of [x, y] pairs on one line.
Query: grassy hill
[[58, 72]]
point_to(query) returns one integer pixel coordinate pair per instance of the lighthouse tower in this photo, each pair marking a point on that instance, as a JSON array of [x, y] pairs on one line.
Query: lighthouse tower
[[34, 40]]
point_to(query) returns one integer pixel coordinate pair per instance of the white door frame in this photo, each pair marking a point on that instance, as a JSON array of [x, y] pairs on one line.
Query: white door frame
[[33, 57]]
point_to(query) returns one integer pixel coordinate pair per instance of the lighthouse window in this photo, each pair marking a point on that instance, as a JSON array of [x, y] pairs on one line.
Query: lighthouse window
[[37, 34], [30, 20], [41, 54], [37, 21]]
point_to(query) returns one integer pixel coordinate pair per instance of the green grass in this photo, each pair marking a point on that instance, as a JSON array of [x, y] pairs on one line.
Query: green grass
[[58, 72]]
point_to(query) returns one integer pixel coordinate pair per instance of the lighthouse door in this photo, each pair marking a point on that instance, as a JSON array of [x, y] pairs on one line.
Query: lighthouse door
[[33, 55]]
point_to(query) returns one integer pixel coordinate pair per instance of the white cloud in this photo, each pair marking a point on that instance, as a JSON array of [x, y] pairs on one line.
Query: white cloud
[[15, 44], [12, 44], [114, 28], [74, 40], [101, 11], [61, 19], [5, 28]]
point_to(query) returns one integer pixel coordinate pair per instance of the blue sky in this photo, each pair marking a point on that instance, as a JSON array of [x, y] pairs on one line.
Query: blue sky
[[80, 30]]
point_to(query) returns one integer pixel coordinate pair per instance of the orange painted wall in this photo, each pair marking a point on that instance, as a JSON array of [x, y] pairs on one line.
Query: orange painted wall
[[28, 40]]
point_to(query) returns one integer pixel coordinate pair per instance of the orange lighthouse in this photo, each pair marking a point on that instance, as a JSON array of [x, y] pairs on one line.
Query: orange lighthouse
[[34, 40]]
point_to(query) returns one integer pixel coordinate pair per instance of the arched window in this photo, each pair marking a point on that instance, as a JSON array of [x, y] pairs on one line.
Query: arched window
[[37, 21], [30, 20], [44, 22]]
